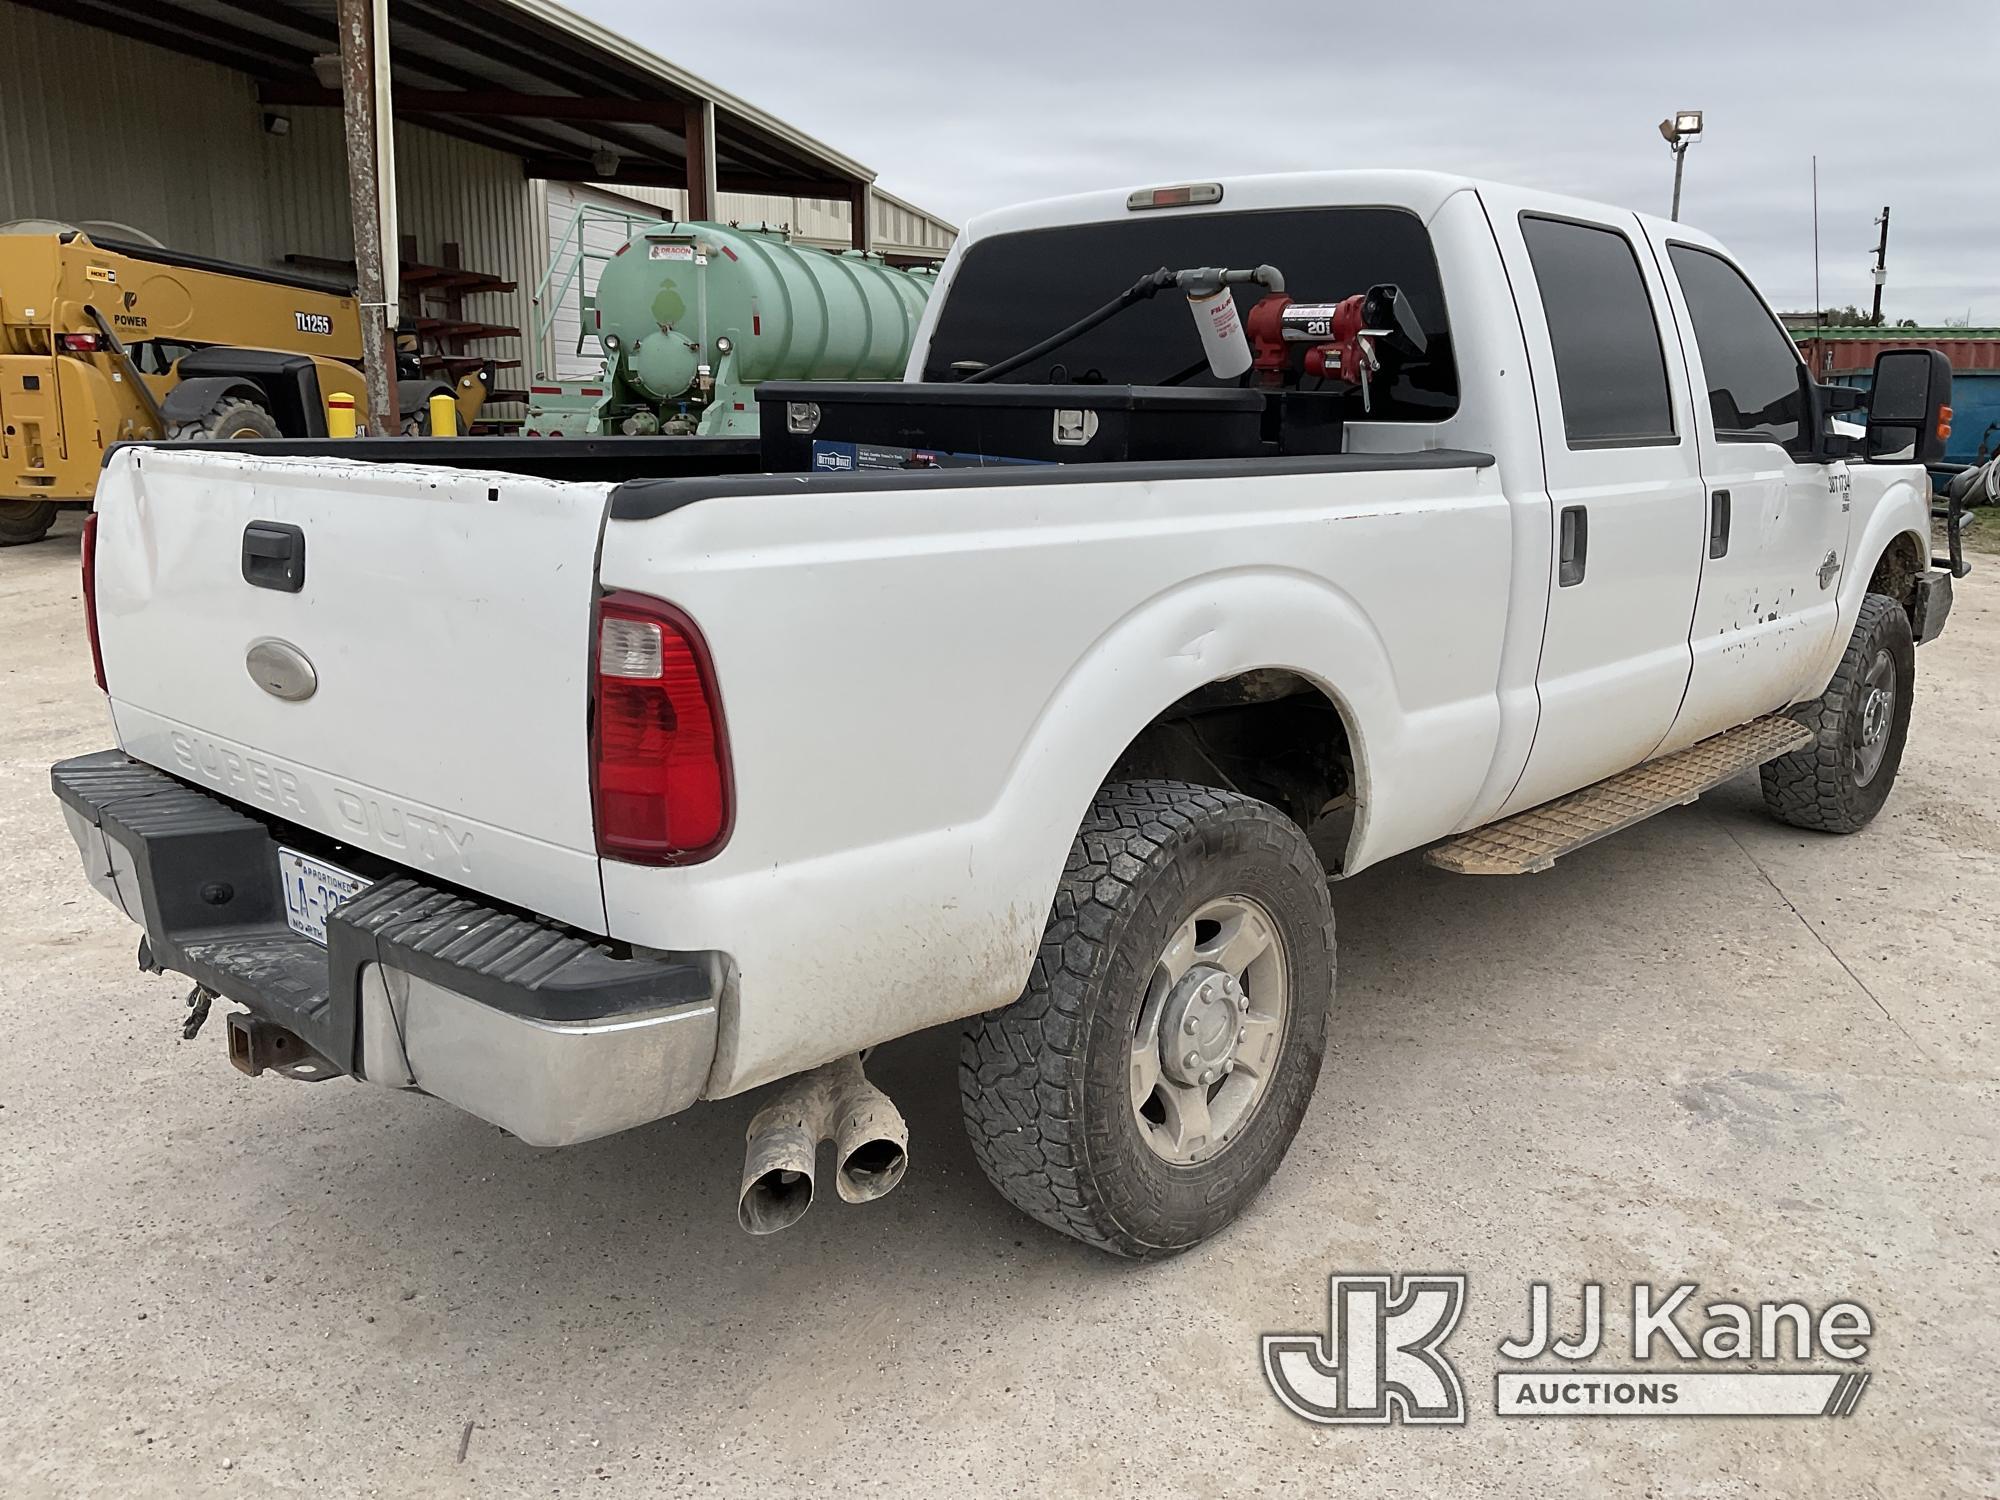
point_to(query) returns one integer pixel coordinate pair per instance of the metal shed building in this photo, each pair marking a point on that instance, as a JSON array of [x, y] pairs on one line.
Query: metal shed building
[[210, 125]]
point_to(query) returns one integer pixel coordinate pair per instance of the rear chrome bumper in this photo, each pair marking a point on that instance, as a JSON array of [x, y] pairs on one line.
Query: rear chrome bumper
[[543, 1031]]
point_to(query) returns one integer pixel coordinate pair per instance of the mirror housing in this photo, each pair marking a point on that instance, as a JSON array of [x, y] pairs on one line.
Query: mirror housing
[[1821, 403], [1909, 407]]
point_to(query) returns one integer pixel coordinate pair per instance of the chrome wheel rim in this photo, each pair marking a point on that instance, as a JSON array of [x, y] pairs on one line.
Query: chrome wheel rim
[[1210, 1031], [1878, 712]]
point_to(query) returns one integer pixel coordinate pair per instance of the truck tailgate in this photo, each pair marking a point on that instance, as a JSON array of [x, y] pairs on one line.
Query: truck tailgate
[[445, 617]]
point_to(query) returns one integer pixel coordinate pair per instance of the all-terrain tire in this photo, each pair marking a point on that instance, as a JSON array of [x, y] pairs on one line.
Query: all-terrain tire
[[1045, 1082], [1823, 786], [22, 522], [237, 417]]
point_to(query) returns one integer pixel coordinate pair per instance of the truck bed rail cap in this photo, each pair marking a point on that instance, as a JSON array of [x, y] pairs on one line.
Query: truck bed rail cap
[[645, 499]]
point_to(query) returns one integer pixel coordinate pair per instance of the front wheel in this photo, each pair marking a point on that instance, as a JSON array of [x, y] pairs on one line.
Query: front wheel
[[230, 420], [1149, 1080], [1838, 783]]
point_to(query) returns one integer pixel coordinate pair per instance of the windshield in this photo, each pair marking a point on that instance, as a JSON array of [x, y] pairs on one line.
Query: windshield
[[1016, 289]]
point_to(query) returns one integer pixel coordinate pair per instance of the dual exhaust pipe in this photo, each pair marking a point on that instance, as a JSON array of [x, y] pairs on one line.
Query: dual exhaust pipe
[[837, 1103]]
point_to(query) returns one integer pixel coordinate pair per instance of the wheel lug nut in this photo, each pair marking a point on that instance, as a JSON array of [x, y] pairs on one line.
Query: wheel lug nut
[[1190, 1060], [1241, 1033], [1229, 1065], [1189, 1027]]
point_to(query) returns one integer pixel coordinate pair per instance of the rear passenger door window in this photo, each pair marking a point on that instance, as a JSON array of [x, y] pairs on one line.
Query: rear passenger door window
[[1751, 364], [1611, 372]]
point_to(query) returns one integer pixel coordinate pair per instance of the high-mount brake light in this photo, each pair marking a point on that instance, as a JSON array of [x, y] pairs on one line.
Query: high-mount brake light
[[90, 597], [1180, 196], [659, 755]]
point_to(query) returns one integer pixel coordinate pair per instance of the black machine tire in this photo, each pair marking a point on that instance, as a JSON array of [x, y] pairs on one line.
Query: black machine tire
[[1046, 1083], [234, 417], [24, 521], [1830, 785]]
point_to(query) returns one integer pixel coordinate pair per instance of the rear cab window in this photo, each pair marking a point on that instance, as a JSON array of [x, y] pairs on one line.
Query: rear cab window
[[1611, 368], [1014, 289]]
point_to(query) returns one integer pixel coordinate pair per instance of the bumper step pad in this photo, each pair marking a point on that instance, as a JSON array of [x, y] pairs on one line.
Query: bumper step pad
[[1531, 841], [210, 898]]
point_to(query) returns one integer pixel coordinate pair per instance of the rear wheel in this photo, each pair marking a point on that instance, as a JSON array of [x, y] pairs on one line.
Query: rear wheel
[[25, 521], [237, 417], [1840, 782], [1149, 1080]]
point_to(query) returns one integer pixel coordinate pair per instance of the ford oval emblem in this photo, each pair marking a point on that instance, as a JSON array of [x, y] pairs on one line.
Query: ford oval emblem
[[281, 669]]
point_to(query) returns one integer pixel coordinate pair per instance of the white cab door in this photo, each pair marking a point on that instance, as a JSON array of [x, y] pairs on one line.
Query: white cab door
[[1776, 538], [1624, 484]]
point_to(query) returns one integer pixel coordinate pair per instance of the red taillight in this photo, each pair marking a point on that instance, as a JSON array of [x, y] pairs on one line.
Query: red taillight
[[77, 343], [660, 757], [90, 595]]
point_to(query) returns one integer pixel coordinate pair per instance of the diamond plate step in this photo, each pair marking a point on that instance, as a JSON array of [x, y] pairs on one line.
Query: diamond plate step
[[1533, 840]]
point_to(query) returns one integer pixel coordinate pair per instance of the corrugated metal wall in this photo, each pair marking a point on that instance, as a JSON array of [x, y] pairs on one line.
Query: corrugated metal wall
[[1972, 350], [96, 126], [447, 190]]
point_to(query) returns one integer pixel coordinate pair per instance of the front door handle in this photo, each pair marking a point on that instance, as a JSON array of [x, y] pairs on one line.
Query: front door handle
[[1718, 523], [1575, 547]]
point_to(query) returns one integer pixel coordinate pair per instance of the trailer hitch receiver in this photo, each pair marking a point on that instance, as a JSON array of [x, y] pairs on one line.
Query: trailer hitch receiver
[[259, 1046]]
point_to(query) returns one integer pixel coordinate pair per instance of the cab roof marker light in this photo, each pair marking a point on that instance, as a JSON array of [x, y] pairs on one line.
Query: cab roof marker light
[[1183, 195]]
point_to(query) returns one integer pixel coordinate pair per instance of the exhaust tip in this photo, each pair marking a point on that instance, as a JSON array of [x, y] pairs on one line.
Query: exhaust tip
[[871, 1169], [775, 1200]]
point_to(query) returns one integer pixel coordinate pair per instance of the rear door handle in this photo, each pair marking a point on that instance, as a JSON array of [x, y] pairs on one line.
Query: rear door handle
[[1575, 549], [274, 556], [1718, 523]]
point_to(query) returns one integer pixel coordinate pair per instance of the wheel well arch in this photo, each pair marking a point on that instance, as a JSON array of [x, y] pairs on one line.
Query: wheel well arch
[[1273, 733], [191, 400], [1903, 561]]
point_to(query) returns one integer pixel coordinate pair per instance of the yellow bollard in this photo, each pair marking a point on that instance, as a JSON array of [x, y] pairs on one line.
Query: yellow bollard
[[340, 415], [444, 416]]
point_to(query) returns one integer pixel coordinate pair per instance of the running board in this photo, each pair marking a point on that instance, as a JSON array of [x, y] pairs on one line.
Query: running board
[[1531, 841]]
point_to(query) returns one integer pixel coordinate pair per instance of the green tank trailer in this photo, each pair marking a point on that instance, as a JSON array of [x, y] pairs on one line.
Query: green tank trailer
[[692, 316]]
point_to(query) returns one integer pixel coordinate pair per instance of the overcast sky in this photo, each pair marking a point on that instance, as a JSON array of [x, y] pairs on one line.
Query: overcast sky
[[966, 106]]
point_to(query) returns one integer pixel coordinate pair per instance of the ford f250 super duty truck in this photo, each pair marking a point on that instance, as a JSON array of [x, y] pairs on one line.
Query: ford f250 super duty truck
[[1043, 691]]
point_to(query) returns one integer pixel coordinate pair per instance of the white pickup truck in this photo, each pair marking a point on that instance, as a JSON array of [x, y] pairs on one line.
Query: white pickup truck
[[576, 784]]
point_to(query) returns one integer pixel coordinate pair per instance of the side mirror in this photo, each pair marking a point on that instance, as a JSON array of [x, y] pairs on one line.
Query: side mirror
[[1818, 442], [1909, 407]]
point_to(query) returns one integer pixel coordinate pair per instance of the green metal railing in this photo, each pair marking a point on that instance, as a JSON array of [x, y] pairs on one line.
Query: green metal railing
[[565, 270]]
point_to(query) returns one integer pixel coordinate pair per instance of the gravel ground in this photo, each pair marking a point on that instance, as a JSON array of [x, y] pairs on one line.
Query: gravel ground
[[1711, 1049]]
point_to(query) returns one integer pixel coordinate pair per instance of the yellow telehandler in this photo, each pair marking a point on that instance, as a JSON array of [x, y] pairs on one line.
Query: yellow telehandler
[[106, 339]]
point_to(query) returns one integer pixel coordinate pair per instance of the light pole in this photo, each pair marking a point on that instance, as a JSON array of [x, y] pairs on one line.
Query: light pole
[[1680, 130]]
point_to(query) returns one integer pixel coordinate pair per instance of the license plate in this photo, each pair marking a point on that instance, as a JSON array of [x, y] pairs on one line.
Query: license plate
[[312, 889]]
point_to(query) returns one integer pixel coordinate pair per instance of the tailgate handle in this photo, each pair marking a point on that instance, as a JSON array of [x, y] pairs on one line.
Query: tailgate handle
[[274, 556]]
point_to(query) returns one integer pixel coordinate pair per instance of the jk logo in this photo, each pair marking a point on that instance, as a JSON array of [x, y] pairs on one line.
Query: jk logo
[[1381, 1359]]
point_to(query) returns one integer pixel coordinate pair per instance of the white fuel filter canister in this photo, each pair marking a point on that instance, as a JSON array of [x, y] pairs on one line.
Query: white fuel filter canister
[[1222, 337]]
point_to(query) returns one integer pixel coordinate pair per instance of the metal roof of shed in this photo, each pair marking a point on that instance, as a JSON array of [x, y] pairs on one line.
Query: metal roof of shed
[[527, 77]]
